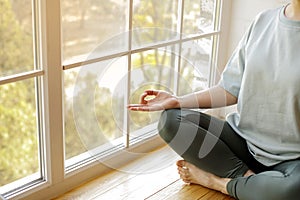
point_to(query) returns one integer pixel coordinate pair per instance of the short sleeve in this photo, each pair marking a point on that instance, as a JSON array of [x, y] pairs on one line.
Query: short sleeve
[[232, 75]]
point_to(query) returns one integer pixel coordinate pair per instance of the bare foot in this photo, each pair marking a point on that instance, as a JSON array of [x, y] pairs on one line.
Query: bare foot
[[189, 173]]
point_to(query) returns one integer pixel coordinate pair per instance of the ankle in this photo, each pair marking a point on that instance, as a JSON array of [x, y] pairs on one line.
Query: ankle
[[219, 184], [223, 185]]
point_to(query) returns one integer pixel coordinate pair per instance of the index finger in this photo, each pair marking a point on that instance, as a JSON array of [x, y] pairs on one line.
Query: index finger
[[147, 93], [142, 98], [151, 92]]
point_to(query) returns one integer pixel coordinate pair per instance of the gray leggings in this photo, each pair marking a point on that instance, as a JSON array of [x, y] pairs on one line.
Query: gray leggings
[[212, 145]]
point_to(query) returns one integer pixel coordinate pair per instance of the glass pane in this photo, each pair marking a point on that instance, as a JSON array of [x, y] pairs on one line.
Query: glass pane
[[198, 16], [94, 106], [73, 143], [88, 24], [154, 21], [18, 133], [153, 69], [195, 65], [16, 52]]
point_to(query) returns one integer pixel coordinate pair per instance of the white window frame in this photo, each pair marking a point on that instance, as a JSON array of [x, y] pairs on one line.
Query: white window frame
[[56, 180]]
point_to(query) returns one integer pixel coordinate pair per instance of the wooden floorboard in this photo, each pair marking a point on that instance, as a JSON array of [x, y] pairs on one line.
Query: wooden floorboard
[[178, 191], [153, 177]]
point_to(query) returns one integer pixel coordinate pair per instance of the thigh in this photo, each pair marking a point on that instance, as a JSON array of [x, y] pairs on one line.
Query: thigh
[[204, 141], [223, 132]]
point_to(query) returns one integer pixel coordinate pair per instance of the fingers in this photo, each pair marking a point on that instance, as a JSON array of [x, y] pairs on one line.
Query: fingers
[[135, 107], [147, 93], [142, 98], [146, 104], [152, 92], [138, 107], [142, 107]]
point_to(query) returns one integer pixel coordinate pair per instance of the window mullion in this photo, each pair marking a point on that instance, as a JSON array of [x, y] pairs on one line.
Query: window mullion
[[127, 99], [178, 58], [213, 57], [52, 89]]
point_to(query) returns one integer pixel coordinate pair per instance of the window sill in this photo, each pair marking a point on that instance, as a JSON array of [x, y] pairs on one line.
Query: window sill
[[92, 169], [104, 153]]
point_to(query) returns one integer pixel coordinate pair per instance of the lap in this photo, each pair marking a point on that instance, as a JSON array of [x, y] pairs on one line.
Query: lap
[[229, 156], [208, 142]]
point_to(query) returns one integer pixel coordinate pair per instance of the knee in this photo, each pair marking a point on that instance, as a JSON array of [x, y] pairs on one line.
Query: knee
[[287, 189], [291, 190], [168, 124]]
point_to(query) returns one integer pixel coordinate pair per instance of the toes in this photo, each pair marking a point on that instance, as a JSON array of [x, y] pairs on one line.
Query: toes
[[185, 178], [180, 163], [184, 174], [183, 170], [186, 181]]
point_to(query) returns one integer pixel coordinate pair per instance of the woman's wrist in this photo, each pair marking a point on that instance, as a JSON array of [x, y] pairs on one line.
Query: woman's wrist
[[180, 102]]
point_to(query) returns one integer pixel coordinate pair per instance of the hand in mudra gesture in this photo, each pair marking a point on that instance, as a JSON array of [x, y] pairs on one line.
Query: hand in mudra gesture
[[155, 100]]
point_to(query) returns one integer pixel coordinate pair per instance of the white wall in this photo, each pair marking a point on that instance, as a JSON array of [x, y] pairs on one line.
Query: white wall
[[242, 14]]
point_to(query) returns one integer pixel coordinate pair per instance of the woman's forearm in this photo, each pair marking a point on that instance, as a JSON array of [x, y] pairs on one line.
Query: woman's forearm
[[213, 97]]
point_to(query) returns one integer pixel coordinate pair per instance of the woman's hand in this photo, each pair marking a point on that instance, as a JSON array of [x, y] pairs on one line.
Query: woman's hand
[[213, 97], [155, 100]]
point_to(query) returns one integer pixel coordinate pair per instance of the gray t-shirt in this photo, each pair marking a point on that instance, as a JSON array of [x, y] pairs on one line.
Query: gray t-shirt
[[264, 73]]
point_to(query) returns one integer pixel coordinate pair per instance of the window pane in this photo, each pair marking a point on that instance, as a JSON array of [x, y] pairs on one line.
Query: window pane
[[86, 24], [16, 52], [94, 106], [154, 21], [195, 65], [18, 133], [153, 69], [73, 143], [198, 16]]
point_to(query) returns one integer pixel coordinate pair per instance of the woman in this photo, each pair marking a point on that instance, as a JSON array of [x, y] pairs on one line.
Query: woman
[[255, 153]]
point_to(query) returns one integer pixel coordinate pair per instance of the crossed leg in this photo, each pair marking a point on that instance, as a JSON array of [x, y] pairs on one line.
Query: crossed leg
[[226, 162]]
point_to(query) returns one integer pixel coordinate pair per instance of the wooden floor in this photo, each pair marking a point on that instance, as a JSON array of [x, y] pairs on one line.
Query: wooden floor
[[153, 177]]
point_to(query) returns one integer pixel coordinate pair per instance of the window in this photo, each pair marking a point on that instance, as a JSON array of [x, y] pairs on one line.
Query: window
[[69, 68], [114, 51], [20, 81]]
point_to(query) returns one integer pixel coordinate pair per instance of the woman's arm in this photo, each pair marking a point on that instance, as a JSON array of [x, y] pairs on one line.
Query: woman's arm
[[211, 98]]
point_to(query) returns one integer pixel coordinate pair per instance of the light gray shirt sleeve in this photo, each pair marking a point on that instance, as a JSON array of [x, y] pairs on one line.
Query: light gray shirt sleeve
[[232, 75]]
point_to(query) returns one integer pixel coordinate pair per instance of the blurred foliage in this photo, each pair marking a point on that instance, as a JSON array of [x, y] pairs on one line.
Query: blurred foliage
[[18, 120], [15, 42], [18, 141]]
